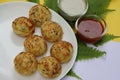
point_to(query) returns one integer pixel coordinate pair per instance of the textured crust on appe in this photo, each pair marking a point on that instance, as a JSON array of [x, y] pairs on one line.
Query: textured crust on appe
[[35, 44], [39, 14], [51, 31], [25, 63], [49, 67], [23, 26], [62, 51]]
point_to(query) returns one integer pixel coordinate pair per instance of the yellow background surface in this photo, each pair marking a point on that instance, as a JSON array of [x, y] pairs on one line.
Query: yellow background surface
[[112, 19]]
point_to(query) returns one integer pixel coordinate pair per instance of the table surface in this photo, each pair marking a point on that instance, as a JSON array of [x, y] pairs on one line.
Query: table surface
[[96, 70]]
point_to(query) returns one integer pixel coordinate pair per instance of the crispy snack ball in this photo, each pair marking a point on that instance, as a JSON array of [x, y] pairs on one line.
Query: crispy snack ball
[[62, 51], [23, 26], [39, 14], [35, 44], [25, 63], [51, 31], [49, 67]]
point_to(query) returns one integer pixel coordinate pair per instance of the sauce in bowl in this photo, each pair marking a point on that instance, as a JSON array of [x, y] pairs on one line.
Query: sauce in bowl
[[90, 30]]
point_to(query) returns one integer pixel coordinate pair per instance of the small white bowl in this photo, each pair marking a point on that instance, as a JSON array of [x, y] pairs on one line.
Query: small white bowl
[[66, 13]]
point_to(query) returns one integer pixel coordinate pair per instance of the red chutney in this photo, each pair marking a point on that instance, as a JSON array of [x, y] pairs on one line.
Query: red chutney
[[90, 30]]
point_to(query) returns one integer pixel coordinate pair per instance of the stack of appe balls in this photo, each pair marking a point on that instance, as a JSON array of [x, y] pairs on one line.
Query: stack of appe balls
[[26, 62]]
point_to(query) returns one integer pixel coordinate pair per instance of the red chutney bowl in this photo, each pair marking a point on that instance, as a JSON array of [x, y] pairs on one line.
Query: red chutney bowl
[[91, 28]]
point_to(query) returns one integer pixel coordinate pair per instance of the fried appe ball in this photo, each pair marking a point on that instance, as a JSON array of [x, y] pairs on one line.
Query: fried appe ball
[[51, 31], [39, 14], [25, 63], [62, 51], [49, 67], [23, 26], [35, 44]]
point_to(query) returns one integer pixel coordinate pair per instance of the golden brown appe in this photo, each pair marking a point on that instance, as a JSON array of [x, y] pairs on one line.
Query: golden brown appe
[[49, 67], [23, 26], [62, 51], [51, 31], [25, 63], [36, 45], [39, 14]]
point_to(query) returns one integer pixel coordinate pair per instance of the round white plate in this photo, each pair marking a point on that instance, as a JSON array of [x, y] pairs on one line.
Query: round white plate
[[12, 44]]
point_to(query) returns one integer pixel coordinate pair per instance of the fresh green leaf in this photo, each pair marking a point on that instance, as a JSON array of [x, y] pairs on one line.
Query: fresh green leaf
[[73, 74], [98, 7], [80, 42], [51, 4], [35, 1], [106, 38], [86, 53], [72, 23]]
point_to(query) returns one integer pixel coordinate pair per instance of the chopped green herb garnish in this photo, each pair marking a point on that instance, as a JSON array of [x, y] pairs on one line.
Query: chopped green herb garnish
[[23, 28]]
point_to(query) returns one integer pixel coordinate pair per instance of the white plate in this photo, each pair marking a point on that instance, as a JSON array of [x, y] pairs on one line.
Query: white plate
[[12, 44]]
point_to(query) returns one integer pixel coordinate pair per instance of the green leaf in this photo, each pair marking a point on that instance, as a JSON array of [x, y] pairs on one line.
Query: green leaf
[[106, 38], [73, 74], [80, 42], [35, 1], [86, 53], [99, 7], [51, 4]]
